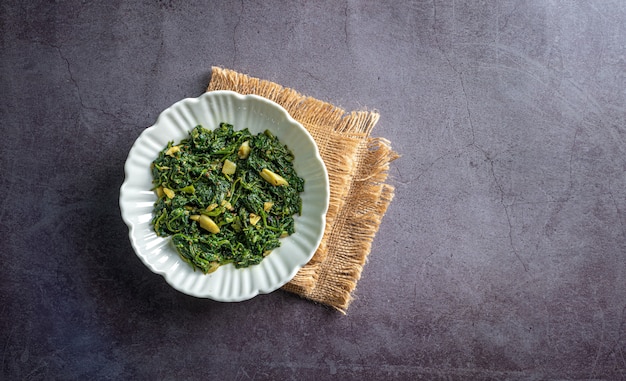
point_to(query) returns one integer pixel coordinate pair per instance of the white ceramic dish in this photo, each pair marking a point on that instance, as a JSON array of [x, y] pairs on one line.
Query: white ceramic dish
[[227, 284]]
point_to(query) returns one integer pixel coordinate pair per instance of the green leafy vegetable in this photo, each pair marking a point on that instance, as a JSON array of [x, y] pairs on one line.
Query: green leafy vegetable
[[225, 196]]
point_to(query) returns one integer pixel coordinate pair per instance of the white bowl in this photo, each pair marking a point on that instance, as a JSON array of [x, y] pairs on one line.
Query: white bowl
[[228, 283]]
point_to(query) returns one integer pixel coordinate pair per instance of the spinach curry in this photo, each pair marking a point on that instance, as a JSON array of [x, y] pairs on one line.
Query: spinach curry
[[225, 196]]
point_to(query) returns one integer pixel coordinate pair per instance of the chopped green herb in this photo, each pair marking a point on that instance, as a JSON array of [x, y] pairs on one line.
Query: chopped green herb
[[225, 196]]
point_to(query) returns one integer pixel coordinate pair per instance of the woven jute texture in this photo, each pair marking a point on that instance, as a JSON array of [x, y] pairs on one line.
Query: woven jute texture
[[357, 166]]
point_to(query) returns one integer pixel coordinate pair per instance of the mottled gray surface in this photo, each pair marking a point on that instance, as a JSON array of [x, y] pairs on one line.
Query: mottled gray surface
[[501, 257]]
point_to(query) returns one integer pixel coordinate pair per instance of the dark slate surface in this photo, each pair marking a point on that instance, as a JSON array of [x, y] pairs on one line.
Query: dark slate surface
[[501, 257]]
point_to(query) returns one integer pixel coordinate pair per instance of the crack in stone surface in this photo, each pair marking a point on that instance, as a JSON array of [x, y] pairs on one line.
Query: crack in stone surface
[[473, 142], [426, 170], [506, 212], [617, 211], [345, 25], [239, 16], [459, 75], [77, 88], [467, 108]]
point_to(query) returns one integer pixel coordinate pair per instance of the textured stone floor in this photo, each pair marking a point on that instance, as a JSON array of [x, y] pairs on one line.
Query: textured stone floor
[[500, 258]]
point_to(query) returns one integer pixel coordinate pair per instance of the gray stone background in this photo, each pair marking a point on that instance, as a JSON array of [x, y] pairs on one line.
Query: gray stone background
[[501, 257]]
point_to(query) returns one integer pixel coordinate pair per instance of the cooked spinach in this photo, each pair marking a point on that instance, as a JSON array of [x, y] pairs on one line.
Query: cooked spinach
[[225, 196]]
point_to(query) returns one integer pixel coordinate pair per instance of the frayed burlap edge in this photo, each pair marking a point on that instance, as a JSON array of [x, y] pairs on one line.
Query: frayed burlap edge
[[357, 168]]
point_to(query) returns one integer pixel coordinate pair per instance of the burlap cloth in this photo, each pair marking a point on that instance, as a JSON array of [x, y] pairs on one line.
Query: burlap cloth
[[357, 166]]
